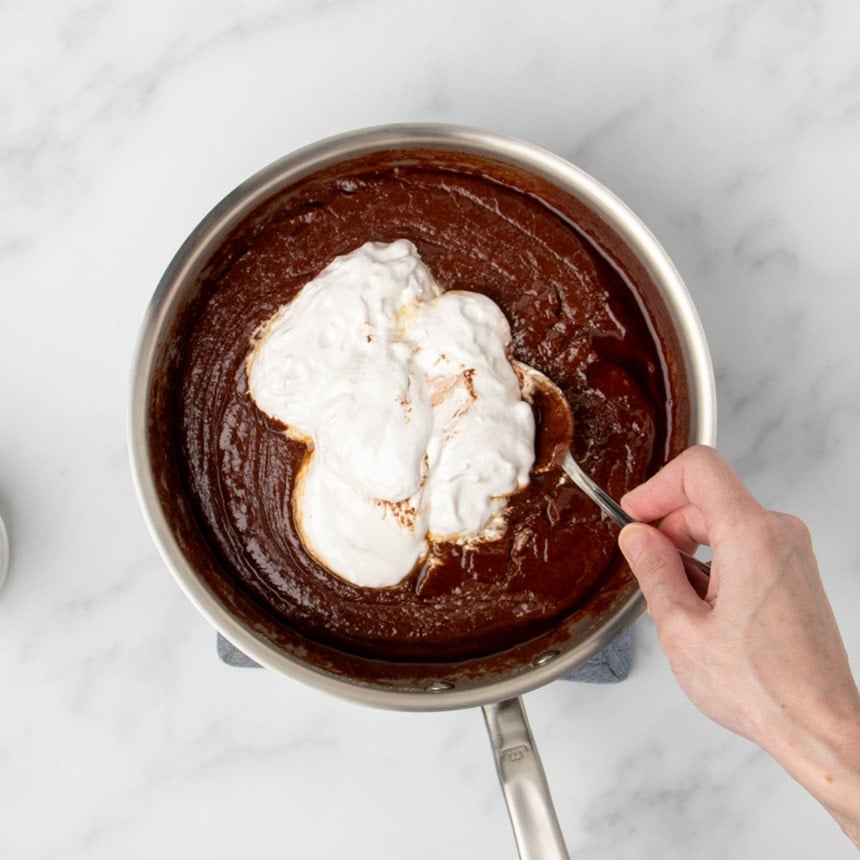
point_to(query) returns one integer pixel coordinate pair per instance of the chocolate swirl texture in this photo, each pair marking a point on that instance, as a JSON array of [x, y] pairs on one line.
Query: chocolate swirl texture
[[574, 316]]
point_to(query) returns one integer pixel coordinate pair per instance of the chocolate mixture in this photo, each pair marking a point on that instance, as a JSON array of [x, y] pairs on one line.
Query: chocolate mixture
[[573, 317]]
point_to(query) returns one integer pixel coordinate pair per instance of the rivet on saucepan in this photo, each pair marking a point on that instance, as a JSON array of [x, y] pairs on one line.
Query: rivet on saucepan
[[439, 686], [546, 657]]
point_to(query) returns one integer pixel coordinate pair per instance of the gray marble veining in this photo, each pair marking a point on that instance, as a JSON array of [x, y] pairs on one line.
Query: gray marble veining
[[732, 129]]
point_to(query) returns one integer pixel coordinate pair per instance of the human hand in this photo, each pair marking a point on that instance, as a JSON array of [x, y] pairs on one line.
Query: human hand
[[761, 653]]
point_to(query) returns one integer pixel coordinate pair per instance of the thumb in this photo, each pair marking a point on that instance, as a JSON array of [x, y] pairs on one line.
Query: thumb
[[656, 564]]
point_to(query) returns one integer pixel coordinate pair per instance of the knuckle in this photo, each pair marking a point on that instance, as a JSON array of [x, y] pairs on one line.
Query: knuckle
[[701, 452], [797, 537], [784, 527], [798, 529], [702, 458]]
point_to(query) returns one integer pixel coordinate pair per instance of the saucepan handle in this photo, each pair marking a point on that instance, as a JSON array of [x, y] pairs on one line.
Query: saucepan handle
[[524, 784]]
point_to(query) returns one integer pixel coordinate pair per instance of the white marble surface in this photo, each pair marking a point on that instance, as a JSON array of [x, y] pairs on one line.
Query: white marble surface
[[733, 129]]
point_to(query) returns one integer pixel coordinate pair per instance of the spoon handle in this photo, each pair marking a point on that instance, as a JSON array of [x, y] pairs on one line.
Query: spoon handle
[[695, 569]]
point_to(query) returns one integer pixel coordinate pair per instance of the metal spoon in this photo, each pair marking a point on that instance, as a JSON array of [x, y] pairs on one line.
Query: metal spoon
[[554, 452]]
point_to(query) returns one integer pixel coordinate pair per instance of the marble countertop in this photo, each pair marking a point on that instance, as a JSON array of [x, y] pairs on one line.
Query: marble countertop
[[732, 129]]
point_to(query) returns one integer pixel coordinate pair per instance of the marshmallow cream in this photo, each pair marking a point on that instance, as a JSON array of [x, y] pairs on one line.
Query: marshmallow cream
[[408, 404]]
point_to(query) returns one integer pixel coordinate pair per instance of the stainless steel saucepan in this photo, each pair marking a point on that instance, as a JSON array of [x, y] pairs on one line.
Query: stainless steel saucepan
[[671, 314]]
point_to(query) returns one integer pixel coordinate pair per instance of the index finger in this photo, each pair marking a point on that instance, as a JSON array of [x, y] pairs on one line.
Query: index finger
[[698, 477]]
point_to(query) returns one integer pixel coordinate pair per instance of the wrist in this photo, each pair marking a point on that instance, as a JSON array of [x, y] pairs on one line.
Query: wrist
[[820, 747]]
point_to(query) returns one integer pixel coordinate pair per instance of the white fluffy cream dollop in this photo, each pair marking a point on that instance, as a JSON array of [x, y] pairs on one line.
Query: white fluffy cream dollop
[[411, 410]]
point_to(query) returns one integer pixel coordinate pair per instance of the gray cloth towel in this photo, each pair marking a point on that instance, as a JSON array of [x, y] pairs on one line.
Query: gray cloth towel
[[610, 666]]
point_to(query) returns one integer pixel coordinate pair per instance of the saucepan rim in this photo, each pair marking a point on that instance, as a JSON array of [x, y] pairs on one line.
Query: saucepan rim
[[205, 238]]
